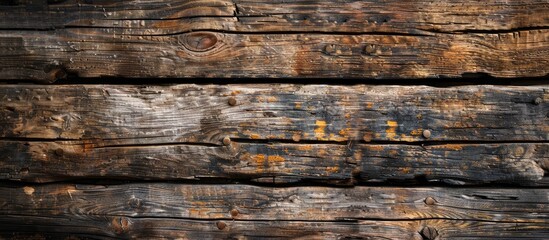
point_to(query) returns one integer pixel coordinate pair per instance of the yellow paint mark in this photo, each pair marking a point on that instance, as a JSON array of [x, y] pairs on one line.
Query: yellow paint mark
[[319, 131], [416, 132], [272, 99], [369, 104], [347, 115], [305, 148], [298, 105], [259, 159], [236, 92], [332, 169], [406, 170], [345, 132], [391, 130], [28, 190], [275, 158]]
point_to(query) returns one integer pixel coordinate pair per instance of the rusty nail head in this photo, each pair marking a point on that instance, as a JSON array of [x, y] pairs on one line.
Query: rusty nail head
[[232, 101], [227, 140], [234, 212], [426, 133], [538, 101], [429, 233], [430, 201], [221, 225], [59, 152]]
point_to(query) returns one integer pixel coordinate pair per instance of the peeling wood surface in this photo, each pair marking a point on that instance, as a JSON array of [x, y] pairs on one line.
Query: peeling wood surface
[[132, 210], [343, 39]]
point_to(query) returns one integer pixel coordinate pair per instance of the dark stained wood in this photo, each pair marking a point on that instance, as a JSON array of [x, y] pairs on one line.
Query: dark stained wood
[[105, 115], [87, 52], [518, 164], [176, 16], [110, 227], [220, 211], [218, 202]]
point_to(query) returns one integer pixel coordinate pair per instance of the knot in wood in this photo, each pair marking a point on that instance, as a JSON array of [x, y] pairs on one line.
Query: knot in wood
[[232, 101], [226, 141], [429, 233], [135, 203], [538, 101], [199, 41], [59, 152]]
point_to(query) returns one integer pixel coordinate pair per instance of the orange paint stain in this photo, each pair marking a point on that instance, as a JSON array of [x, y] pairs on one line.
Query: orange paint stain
[[320, 129], [391, 129], [275, 158], [332, 169], [259, 159], [272, 99]]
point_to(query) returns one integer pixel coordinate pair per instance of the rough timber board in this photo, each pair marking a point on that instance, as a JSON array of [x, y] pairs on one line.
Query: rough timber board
[[132, 210], [111, 227], [88, 52], [120, 114], [517, 164]]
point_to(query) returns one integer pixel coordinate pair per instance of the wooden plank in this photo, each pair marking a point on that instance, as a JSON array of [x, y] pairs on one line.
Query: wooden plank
[[110, 227], [517, 164], [96, 52], [245, 202], [176, 16], [109, 115]]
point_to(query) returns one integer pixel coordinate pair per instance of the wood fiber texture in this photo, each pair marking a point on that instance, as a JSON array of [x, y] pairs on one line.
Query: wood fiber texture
[[276, 133], [47, 40], [221, 211]]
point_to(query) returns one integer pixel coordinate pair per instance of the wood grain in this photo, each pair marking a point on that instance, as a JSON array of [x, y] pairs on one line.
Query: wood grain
[[46, 56], [111, 227], [245, 202], [161, 210], [175, 16], [127, 115], [517, 164]]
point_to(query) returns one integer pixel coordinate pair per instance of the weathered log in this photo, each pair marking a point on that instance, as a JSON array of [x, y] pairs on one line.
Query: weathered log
[[350, 16], [125, 115], [147, 210], [112, 227], [519, 164], [48, 56]]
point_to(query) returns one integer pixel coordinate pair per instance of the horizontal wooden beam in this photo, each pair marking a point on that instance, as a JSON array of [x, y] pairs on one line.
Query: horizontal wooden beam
[[276, 133], [518, 164], [188, 113], [112, 227], [133, 210], [88, 52], [175, 16]]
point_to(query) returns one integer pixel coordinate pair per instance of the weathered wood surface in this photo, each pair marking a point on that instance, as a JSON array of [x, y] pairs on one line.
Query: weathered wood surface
[[132, 210], [352, 16], [276, 133], [344, 39], [519, 164], [122, 115], [111, 227]]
